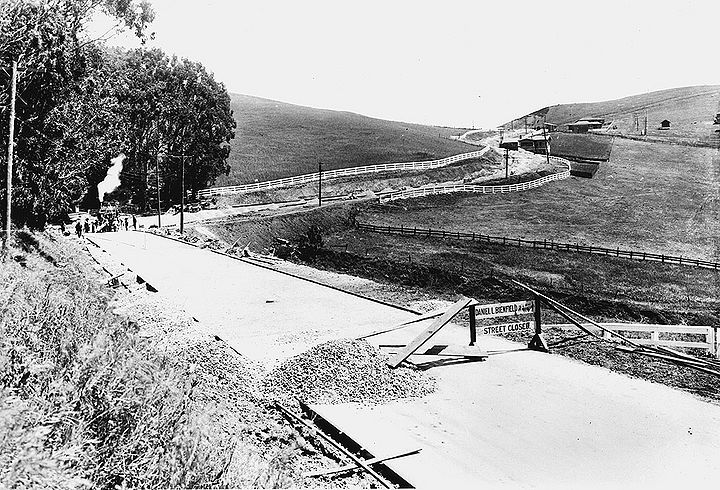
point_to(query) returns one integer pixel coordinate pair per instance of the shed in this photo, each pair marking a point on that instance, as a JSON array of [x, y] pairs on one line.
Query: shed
[[665, 124], [579, 127], [509, 144]]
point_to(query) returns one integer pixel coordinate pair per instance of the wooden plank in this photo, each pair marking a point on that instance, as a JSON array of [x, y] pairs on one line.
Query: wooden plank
[[508, 327], [454, 350], [643, 327], [351, 467], [419, 318], [336, 445], [429, 332], [495, 310], [674, 343]]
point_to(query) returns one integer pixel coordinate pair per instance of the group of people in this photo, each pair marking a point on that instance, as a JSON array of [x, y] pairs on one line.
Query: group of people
[[92, 225]]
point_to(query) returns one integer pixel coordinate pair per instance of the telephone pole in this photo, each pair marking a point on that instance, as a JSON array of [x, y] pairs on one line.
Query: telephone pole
[[157, 183], [11, 149], [182, 197]]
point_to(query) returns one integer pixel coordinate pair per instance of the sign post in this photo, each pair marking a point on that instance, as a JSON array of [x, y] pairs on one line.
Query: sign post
[[473, 327], [538, 342]]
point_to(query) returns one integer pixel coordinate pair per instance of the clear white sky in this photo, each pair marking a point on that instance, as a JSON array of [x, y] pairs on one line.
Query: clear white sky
[[455, 63]]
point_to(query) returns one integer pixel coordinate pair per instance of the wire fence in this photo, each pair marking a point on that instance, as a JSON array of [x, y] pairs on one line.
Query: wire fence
[[342, 172], [477, 188], [536, 244]]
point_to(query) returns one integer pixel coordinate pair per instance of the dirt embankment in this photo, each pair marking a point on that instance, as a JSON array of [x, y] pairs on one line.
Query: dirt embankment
[[260, 233]]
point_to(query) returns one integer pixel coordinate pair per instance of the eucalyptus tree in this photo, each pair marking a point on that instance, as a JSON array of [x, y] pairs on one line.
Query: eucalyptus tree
[[50, 41]]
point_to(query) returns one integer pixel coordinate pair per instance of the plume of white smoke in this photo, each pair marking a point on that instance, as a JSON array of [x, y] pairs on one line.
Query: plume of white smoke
[[112, 179]]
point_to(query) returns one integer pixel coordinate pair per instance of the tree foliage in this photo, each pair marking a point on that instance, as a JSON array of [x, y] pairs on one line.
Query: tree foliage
[[48, 40], [81, 104], [171, 107]]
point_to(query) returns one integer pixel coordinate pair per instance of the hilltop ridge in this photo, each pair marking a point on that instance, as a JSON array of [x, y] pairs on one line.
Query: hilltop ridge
[[276, 139], [690, 111]]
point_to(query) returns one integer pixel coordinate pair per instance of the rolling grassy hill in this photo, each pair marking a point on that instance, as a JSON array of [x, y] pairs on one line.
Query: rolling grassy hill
[[690, 111], [652, 197], [275, 140]]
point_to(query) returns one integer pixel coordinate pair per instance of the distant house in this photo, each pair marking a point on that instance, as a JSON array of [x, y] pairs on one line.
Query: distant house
[[534, 143], [509, 144], [665, 124], [579, 127], [595, 120]]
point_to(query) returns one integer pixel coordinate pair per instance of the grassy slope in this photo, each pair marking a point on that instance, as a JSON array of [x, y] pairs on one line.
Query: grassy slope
[[650, 196], [689, 109], [275, 140]]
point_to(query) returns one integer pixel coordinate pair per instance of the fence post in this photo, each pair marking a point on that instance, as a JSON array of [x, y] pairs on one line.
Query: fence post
[[662, 258], [712, 340], [402, 232]]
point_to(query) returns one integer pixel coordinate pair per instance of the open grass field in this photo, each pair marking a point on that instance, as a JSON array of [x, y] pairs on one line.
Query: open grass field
[[650, 197], [690, 111], [275, 140], [580, 146]]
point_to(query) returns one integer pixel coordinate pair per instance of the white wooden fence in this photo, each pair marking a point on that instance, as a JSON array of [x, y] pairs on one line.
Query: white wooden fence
[[708, 332], [483, 189], [341, 172]]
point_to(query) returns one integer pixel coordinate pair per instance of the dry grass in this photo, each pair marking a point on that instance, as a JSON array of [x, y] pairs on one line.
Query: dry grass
[[650, 197], [84, 402], [275, 140]]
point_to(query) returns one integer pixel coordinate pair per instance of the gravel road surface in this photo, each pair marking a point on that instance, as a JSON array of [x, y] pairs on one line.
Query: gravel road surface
[[517, 420]]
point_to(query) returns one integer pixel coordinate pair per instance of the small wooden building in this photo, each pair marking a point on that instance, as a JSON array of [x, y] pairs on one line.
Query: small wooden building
[[579, 127], [665, 124], [509, 144]]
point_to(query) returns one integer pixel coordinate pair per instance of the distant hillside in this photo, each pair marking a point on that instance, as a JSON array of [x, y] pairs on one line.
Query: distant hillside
[[690, 111], [275, 140]]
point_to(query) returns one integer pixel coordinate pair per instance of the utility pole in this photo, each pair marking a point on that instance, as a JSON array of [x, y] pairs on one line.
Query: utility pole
[[646, 120], [507, 157], [182, 197], [547, 145], [11, 149], [157, 183], [319, 183]]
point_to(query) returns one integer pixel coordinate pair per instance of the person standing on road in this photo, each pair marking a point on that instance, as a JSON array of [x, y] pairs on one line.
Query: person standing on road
[[134, 222], [86, 226], [126, 224], [78, 229]]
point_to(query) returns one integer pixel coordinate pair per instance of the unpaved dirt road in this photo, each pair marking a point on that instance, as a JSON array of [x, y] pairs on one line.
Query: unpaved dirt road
[[517, 420]]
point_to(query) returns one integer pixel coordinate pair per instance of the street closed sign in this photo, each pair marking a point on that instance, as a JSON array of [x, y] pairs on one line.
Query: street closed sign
[[508, 327], [504, 309]]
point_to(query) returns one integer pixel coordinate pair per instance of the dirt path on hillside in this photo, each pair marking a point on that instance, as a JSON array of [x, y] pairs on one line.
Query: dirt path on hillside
[[524, 420]]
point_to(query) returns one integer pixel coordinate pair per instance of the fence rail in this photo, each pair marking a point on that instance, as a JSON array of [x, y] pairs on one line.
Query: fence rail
[[483, 189], [341, 172], [537, 244], [709, 332]]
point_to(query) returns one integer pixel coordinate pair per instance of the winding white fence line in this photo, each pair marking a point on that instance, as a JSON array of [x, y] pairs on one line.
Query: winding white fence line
[[341, 172], [483, 189]]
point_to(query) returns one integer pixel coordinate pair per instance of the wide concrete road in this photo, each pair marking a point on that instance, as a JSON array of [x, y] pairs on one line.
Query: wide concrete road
[[266, 315], [518, 420]]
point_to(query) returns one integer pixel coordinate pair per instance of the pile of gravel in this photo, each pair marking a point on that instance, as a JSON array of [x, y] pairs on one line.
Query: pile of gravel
[[344, 371]]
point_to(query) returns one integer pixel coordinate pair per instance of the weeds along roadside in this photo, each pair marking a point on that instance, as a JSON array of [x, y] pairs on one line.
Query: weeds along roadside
[[85, 400]]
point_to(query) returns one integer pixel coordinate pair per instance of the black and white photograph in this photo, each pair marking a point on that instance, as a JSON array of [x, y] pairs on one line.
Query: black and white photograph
[[359, 244]]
